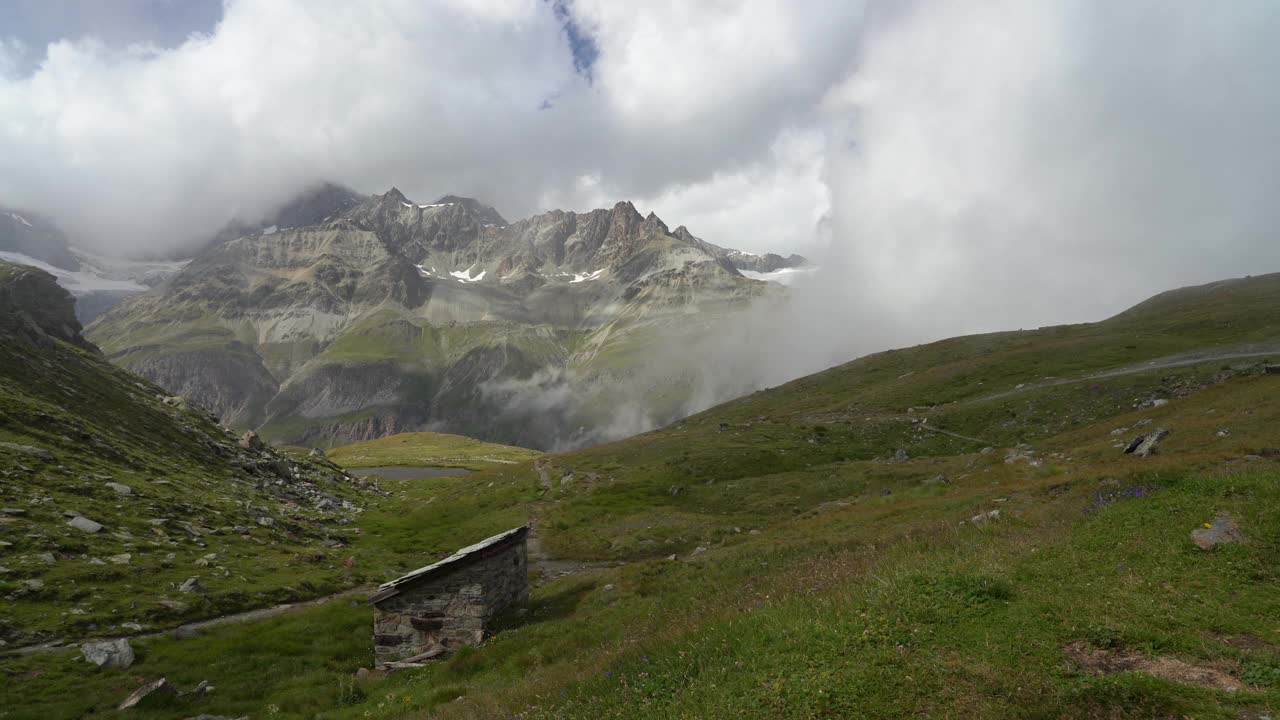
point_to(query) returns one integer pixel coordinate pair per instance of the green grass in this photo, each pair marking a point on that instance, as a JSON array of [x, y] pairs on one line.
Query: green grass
[[831, 583], [427, 449]]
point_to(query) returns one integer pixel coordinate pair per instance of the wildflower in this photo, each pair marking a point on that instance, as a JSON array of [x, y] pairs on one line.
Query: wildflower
[[1209, 525]]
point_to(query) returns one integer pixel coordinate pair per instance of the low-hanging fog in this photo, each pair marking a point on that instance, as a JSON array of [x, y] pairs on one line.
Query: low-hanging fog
[[952, 167]]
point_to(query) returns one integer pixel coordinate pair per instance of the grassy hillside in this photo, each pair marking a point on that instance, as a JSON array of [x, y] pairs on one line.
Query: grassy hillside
[[426, 449], [778, 557]]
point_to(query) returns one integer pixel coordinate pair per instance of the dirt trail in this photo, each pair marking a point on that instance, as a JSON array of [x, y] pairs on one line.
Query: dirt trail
[[552, 568], [1234, 352], [63, 645]]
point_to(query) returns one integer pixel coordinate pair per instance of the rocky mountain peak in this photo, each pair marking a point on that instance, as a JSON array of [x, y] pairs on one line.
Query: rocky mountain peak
[[391, 195], [485, 213], [653, 222]]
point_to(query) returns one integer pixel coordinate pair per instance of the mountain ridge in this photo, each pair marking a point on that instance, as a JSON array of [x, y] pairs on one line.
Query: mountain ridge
[[394, 316]]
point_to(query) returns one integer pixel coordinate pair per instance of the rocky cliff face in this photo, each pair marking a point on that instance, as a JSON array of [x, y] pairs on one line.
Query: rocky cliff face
[[392, 315], [34, 308]]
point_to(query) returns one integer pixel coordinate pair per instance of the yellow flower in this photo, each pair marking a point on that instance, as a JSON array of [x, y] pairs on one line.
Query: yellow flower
[[1209, 525], [408, 698]]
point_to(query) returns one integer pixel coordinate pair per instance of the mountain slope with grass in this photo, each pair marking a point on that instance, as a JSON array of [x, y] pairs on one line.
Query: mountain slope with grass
[[113, 494], [427, 449], [949, 530]]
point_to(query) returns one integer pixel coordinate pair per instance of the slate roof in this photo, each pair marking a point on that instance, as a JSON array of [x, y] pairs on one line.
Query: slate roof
[[461, 558]]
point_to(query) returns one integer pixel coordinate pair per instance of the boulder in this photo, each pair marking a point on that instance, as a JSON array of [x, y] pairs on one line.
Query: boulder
[[1145, 445], [251, 441], [108, 653], [157, 688], [85, 524], [900, 455], [1222, 531], [120, 488], [316, 454], [984, 517], [192, 585]]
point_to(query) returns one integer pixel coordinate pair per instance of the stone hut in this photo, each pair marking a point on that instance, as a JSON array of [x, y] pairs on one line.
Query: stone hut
[[439, 608]]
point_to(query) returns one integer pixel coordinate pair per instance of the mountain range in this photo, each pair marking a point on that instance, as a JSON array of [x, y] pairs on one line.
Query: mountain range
[[347, 317]]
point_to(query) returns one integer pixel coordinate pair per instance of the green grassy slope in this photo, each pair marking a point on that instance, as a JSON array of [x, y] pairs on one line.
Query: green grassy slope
[[174, 494], [426, 449], [814, 577]]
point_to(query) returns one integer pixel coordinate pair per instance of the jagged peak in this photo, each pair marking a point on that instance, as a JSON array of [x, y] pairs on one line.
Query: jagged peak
[[653, 220], [394, 194], [625, 206], [487, 213]]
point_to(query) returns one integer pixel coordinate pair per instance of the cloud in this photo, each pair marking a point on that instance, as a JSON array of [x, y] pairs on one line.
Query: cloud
[[1012, 164], [136, 147], [967, 166]]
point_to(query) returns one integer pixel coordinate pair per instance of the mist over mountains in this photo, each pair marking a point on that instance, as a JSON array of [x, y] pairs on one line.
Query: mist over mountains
[[380, 314]]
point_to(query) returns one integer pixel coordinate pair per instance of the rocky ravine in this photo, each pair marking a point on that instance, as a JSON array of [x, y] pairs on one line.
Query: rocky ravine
[[390, 315]]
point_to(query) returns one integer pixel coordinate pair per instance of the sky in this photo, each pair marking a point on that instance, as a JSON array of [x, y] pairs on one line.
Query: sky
[[953, 166]]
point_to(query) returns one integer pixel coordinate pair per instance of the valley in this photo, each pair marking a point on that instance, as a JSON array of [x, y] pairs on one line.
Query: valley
[[947, 529]]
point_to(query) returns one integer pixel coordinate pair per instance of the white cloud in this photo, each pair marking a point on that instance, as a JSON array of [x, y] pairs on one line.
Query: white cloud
[[1007, 164], [983, 165], [141, 146]]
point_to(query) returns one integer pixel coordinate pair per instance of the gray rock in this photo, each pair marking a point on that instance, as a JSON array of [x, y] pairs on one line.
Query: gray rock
[[172, 605], [192, 585], [900, 455], [984, 517], [676, 490], [46, 558], [27, 450], [108, 653], [121, 559], [85, 524], [12, 512], [265, 521], [122, 489], [157, 688], [1222, 531], [33, 583], [316, 454], [1145, 445], [251, 441]]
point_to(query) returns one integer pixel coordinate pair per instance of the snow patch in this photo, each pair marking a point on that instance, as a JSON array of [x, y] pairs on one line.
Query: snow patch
[[271, 230], [465, 275], [583, 277], [20, 219], [785, 276]]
